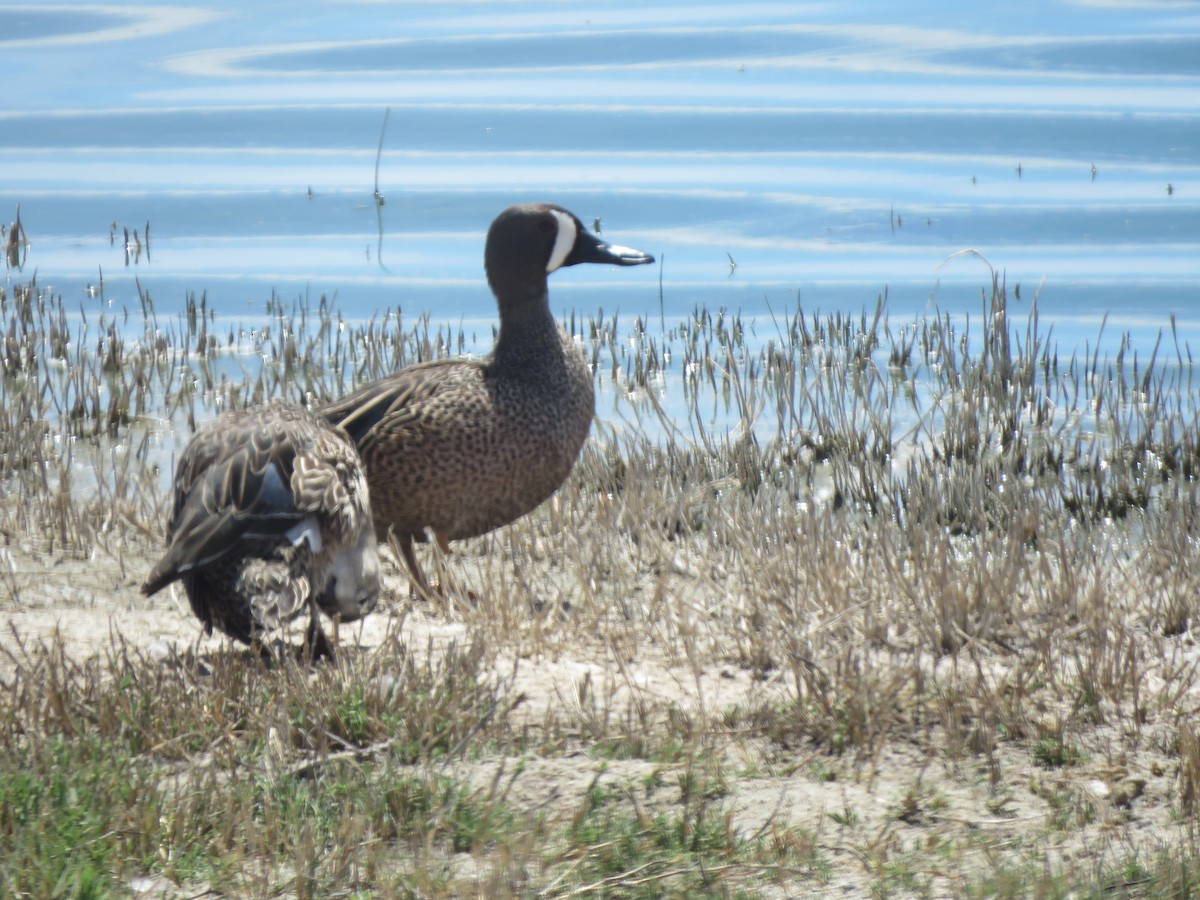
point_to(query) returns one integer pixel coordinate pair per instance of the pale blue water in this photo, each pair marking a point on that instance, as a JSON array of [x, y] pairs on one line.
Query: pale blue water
[[832, 150]]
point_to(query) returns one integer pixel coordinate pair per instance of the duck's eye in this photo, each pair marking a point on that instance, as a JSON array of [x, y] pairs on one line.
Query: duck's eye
[[546, 225]]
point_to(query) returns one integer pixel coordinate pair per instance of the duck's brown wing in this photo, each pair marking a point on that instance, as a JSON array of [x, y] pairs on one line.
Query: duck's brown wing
[[403, 401], [233, 487]]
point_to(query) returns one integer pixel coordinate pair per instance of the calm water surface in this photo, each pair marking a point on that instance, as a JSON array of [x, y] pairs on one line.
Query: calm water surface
[[830, 150]]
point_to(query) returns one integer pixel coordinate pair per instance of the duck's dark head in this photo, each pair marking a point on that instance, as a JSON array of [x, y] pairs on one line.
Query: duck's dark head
[[529, 241]]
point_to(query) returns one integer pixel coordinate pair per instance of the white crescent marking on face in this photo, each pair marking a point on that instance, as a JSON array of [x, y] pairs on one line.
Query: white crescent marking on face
[[564, 243]]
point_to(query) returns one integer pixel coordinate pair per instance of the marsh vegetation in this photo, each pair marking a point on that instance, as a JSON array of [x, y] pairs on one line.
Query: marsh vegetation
[[898, 607]]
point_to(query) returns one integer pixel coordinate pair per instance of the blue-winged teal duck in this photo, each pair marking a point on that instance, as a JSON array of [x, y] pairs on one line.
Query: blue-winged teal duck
[[271, 518], [457, 447]]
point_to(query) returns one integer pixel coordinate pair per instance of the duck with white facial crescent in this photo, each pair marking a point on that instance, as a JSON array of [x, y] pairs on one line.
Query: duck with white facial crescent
[[454, 448]]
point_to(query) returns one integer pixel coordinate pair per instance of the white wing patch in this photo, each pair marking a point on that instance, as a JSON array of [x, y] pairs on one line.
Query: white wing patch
[[307, 530], [565, 241]]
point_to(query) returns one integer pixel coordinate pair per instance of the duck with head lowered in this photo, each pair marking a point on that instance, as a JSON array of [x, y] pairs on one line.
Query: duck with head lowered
[[271, 519], [454, 448]]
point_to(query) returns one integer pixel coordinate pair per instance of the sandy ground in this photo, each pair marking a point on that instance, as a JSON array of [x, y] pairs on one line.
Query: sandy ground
[[855, 809]]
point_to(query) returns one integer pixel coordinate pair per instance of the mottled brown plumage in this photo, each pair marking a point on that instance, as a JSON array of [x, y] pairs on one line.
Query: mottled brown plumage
[[271, 517], [458, 447]]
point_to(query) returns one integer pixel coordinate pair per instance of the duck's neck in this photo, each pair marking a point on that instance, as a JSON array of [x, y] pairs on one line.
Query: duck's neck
[[527, 329]]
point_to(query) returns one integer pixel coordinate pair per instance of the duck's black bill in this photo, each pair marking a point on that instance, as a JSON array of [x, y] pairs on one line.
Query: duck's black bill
[[590, 249]]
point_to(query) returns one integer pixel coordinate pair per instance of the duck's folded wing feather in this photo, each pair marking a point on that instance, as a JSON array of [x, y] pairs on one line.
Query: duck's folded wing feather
[[246, 497], [395, 402]]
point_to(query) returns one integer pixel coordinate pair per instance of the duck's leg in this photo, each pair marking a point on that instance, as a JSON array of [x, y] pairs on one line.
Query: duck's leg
[[316, 643], [443, 544], [420, 586]]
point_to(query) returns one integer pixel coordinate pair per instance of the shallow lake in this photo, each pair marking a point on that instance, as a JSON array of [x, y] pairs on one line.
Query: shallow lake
[[772, 155]]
